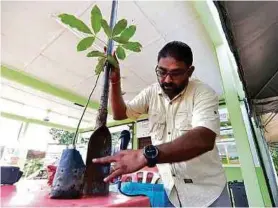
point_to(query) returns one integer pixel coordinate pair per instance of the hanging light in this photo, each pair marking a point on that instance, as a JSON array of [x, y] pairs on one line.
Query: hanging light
[[46, 118]]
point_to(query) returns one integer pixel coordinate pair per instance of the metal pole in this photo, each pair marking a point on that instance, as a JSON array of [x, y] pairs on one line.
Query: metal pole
[[113, 18], [105, 91]]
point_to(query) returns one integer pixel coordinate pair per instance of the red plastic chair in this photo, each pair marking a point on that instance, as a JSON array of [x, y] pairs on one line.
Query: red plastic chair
[[142, 176], [51, 170]]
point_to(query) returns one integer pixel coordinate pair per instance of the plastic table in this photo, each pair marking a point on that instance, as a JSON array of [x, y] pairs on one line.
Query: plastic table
[[35, 193]]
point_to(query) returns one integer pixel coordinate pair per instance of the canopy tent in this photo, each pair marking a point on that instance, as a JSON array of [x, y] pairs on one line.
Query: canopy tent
[[36, 47], [251, 30]]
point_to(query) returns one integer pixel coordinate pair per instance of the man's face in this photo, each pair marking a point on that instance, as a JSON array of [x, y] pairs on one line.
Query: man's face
[[172, 75]]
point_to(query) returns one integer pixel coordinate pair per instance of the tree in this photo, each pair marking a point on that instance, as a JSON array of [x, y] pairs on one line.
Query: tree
[[62, 136], [65, 137], [31, 166], [121, 33], [115, 138], [274, 154]]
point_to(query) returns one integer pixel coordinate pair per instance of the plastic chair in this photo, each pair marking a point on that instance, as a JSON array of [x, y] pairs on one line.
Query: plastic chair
[[144, 183], [10, 174], [141, 176], [238, 194], [51, 170]]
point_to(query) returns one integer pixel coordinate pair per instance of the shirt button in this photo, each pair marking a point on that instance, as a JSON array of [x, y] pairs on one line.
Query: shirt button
[[169, 133], [170, 103]]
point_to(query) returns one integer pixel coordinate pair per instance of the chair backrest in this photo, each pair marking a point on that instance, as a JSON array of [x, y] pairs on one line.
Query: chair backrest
[[141, 176], [237, 192]]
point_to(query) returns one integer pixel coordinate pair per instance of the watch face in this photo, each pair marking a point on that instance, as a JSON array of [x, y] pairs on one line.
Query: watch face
[[151, 151]]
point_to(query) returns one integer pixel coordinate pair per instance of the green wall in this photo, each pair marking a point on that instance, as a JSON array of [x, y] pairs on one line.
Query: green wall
[[234, 173]]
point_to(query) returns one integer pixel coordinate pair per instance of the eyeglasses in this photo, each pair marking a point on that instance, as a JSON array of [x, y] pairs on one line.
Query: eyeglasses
[[175, 74]]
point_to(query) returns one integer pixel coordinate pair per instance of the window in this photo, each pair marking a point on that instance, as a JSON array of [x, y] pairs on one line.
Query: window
[[9, 141], [226, 143]]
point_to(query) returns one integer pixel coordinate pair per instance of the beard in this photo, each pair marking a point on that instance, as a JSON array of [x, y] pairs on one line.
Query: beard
[[172, 89]]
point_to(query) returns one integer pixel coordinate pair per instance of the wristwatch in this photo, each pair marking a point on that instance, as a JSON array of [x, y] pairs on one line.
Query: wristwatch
[[151, 154]]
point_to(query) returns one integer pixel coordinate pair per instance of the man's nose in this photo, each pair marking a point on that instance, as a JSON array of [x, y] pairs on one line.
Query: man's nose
[[168, 79]]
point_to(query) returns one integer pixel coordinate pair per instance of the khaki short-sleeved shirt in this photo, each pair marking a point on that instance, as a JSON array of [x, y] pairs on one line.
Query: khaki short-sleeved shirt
[[199, 181]]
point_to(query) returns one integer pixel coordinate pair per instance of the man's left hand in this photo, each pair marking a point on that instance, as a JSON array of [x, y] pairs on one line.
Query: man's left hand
[[127, 161]]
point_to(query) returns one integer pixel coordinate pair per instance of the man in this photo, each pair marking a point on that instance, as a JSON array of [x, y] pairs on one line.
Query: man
[[184, 123]]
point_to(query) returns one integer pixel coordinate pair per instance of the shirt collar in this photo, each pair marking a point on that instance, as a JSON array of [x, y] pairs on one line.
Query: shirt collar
[[162, 93]]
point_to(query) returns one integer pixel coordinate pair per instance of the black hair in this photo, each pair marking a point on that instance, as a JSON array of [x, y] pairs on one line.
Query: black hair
[[177, 50]]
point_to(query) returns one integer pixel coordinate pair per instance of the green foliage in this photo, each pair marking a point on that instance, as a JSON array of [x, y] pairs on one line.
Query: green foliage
[[115, 138], [120, 53], [274, 154], [120, 40], [121, 33], [133, 46], [96, 54], [31, 166], [112, 61], [106, 28], [85, 43], [128, 33], [100, 65], [119, 27], [74, 22], [84, 140], [62, 136], [96, 18]]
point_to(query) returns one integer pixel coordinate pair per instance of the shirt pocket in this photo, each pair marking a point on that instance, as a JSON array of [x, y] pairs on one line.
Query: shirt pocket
[[157, 126], [183, 122]]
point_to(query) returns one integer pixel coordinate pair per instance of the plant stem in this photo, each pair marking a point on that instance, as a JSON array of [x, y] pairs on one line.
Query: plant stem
[[100, 40], [79, 122]]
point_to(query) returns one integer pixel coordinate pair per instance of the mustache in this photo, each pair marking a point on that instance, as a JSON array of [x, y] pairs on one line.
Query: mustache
[[172, 85]]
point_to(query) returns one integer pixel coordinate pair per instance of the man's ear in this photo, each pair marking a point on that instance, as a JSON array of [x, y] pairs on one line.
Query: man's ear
[[191, 70]]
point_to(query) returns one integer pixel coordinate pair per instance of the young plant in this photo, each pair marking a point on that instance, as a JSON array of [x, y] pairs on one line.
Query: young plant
[[120, 33]]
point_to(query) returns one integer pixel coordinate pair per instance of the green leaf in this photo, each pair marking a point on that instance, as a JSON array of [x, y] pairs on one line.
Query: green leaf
[[106, 28], [120, 53], [73, 22], [85, 43], [128, 32], [96, 54], [96, 18], [112, 61], [120, 40], [100, 65], [133, 46], [119, 27]]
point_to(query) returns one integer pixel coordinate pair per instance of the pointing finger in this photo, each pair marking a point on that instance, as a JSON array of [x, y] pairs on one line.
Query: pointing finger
[[107, 159]]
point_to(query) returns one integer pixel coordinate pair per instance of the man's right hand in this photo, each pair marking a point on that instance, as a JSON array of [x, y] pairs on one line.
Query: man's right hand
[[117, 103], [115, 75], [127, 161]]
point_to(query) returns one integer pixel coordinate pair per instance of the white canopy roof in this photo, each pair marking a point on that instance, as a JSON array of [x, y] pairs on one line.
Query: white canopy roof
[[35, 42]]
